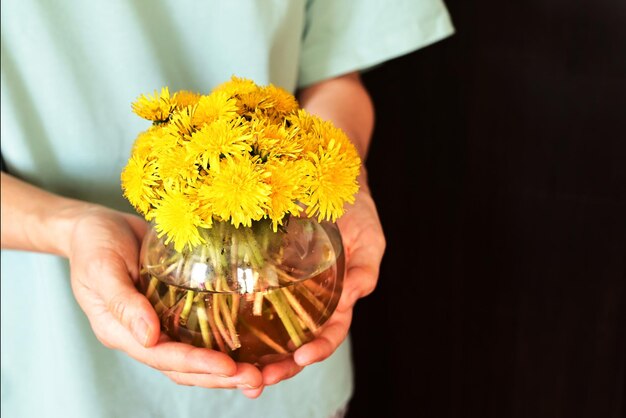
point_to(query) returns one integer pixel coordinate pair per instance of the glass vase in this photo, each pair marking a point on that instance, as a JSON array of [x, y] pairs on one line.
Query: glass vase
[[250, 292]]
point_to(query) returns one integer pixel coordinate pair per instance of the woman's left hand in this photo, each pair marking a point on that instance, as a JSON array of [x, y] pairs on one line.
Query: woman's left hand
[[364, 245]]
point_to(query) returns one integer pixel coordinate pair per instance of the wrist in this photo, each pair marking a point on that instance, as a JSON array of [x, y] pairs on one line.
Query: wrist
[[64, 222], [51, 228]]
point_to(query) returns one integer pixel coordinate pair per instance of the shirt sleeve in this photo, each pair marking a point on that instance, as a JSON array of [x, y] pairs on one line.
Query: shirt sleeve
[[341, 36]]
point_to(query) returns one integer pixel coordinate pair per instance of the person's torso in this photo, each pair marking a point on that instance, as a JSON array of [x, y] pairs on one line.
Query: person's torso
[[70, 71]]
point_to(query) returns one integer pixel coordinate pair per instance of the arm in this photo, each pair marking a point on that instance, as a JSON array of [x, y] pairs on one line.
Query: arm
[[345, 101], [102, 246], [32, 217]]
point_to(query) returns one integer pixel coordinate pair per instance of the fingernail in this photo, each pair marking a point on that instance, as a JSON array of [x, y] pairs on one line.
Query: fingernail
[[247, 386], [140, 329]]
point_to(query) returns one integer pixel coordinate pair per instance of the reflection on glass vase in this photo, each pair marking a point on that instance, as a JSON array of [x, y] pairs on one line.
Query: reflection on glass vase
[[250, 292]]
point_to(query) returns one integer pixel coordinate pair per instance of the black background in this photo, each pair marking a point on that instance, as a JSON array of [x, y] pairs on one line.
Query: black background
[[499, 167]]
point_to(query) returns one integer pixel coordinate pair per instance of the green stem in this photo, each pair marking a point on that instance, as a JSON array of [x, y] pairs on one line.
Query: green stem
[[229, 322], [263, 337], [284, 316], [216, 334], [253, 246], [257, 306], [157, 304], [151, 286], [187, 308], [234, 308], [204, 322], [295, 319], [299, 310], [172, 266], [171, 292], [304, 291], [219, 323]]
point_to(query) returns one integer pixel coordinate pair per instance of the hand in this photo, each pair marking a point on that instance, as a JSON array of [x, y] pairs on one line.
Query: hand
[[364, 244], [104, 252]]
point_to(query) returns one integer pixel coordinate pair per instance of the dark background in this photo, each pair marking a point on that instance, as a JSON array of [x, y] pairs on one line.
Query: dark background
[[499, 167]]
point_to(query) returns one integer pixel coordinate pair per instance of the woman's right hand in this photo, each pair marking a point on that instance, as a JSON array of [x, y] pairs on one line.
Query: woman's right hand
[[103, 251]]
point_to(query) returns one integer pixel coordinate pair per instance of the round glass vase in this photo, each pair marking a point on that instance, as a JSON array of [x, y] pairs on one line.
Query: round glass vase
[[250, 292]]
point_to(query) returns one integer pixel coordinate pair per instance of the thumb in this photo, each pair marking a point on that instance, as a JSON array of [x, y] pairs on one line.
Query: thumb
[[127, 305]]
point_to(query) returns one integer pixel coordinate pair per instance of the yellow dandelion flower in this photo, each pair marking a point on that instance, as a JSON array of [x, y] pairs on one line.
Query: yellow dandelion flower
[[325, 132], [332, 181], [217, 139], [142, 146], [204, 209], [156, 108], [162, 144], [286, 181], [181, 124], [283, 101], [241, 154], [237, 192], [184, 98], [253, 102], [176, 166], [237, 86], [176, 217], [274, 141], [302, 121], [139, 179], [301, 126], [313, 132], [217, 105], [149, 142]]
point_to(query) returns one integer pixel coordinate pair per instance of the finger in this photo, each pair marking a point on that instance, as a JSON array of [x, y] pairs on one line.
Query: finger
[[108, 277], [185, 358], [332, 335], [247, 377], [138, 225], [359, 282], [282, 370], [166, 355], [253, 393]]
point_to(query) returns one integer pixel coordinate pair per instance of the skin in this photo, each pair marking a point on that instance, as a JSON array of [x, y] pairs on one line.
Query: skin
[[102, 246]]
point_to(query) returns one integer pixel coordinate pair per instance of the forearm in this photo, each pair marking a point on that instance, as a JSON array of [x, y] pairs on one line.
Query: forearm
[[345, 101], [34, 219]]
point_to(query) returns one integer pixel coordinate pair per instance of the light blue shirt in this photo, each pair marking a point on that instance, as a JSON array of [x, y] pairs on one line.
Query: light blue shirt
[[70, 70]]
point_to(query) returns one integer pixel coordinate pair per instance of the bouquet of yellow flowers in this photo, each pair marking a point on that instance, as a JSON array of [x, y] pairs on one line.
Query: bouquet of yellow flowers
[[242, 189]]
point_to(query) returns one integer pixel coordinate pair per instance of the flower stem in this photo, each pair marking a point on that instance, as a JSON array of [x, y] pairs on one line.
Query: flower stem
[[218, 321], [171, 292], [264, 338], [173, 266], [234, 308], [234, 248], [151, 286], [257, 257], [315, 288], [295, 319], [229, 322], [302, 314], [204, 321], [184, 315], [304, 291], [157, 304], [257, 306], [216, 334], [284, 316]]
